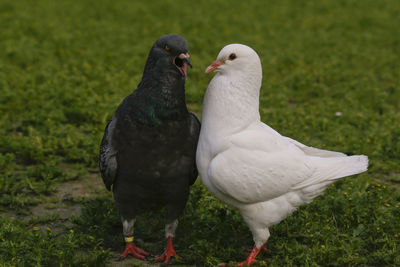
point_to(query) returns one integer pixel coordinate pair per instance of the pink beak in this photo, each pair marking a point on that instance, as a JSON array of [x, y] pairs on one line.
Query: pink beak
[[214, 66]]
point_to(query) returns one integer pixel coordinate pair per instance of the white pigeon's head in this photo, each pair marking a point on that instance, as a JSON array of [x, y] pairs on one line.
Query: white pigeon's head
[[236, 57]]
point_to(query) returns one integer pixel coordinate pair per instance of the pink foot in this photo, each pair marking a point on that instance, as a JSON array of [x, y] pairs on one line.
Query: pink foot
[[130, 248], [168, 253], [252, 257]]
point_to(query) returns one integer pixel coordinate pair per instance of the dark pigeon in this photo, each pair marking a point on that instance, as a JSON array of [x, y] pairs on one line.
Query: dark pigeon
[[147, 154]]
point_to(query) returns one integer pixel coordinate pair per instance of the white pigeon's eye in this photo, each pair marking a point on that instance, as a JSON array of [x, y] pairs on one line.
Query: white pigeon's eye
[[232, 56]]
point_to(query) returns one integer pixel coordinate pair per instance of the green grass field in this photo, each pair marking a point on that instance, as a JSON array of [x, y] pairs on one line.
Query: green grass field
[[331, 80]]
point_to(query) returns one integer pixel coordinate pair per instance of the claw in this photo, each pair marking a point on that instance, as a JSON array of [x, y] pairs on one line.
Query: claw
[[130, 248], [168, 253]]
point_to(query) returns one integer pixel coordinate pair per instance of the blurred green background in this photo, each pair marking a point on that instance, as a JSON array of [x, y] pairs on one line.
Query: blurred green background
[[331, 73]]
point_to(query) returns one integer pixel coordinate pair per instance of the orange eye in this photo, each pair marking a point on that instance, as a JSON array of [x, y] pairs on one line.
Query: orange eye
[[166, 47]]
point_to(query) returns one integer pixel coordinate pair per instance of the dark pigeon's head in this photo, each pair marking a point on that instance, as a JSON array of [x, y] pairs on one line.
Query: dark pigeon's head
[[169, 54]]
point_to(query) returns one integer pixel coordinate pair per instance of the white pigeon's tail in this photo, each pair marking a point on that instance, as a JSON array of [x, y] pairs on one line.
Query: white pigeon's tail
[[351, 165], [330, 169]]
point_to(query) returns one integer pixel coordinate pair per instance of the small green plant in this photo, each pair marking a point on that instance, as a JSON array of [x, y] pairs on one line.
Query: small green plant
[[23, 245]]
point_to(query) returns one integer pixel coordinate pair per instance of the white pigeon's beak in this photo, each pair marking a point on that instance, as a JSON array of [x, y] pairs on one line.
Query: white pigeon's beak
[[214, 66]]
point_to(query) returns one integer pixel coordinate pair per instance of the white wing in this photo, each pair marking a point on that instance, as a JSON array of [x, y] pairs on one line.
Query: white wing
[[258, 165]]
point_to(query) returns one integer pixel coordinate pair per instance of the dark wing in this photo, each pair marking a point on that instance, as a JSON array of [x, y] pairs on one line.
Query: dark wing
[[108, 155], [194, 132]]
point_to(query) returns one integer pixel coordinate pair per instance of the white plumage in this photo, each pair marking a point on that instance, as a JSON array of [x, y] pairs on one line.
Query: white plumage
[[249, 165]]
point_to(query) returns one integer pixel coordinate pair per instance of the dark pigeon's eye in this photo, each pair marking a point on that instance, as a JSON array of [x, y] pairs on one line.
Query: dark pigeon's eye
[[232, 56], [166, 47]]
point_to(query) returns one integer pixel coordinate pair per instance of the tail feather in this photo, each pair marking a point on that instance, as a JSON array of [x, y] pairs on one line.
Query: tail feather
[[352, 165], [327, 170]]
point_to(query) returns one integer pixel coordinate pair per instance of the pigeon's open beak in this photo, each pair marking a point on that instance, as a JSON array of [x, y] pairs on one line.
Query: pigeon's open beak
[[181, 62], [185, 57], [215, 65]]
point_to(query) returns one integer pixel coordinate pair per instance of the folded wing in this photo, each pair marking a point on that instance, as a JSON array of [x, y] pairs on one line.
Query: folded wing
[[108, 155]]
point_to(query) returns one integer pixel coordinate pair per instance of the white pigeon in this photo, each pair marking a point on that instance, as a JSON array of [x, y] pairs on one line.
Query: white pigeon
[[249, 165]]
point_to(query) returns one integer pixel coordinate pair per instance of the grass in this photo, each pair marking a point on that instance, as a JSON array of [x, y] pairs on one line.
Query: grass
[[331, 80]]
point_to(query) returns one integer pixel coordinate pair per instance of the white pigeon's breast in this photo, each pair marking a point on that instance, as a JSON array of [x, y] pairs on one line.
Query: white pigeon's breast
[[208, 148]]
